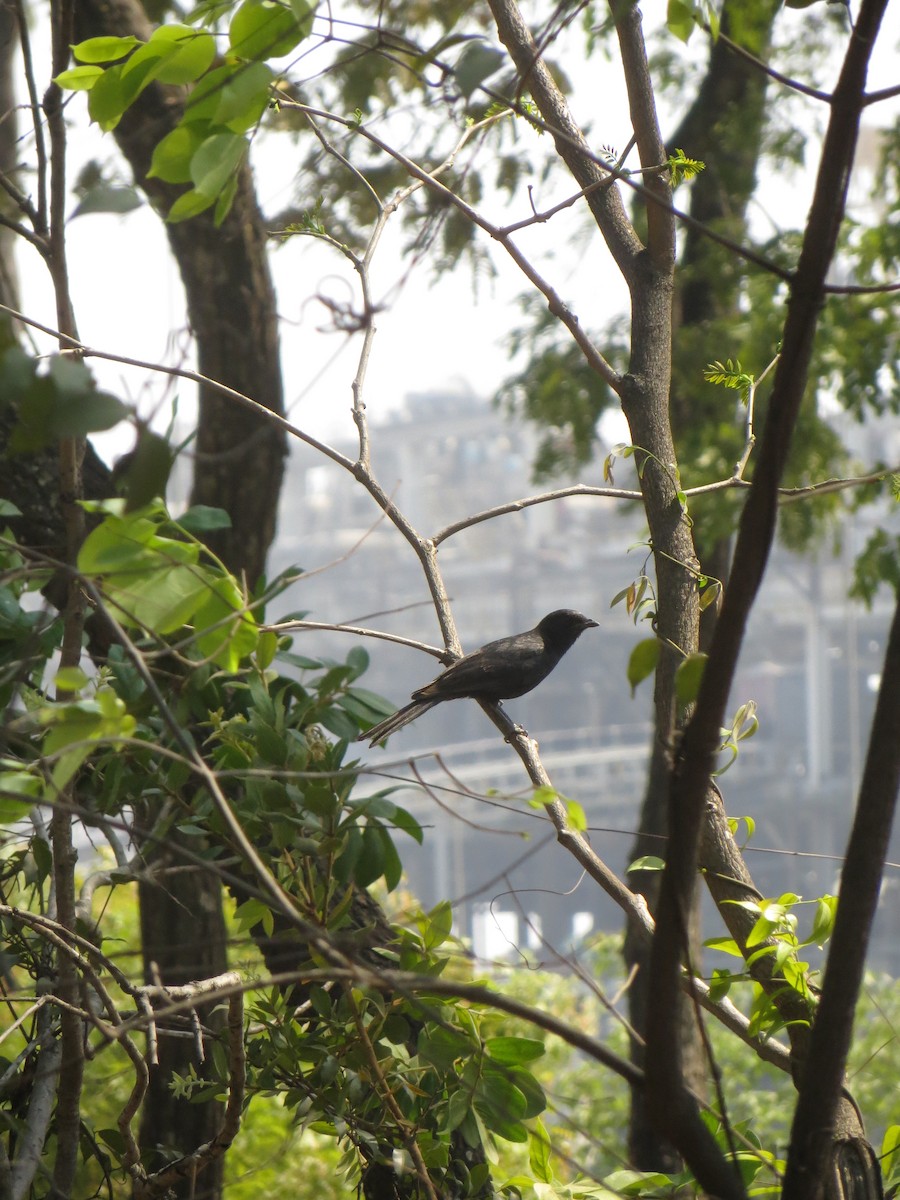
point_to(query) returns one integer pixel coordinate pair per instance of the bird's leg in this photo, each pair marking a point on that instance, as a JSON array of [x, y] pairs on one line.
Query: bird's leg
[[517, 730]]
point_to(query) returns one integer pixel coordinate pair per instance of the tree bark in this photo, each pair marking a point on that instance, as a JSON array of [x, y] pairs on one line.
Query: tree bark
[[239, 466], [233, 316], [183, 938], [723, 128]]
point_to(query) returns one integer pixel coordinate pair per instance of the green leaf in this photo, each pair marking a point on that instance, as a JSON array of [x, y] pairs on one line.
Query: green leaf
[[107, 197], [172, 156], [254, 912], [680, 19], [648, 862], [443, 1046], [501, 1105], [576, 814], [225, 634], [18, 791], [77, 723], [374, 706], [107, 99], [823, 922], [358, 659], [104, 49], [437, 925], [245, 97], [457, 1110], [62, 403], [163, 599], [637, 1183], [189, 204], [187, 52], [543, 796], [539, 1153], [890, 1152], [642, 661], [710, 594], [118, 543], [78, 79], [146, 474], [205, 98], [71, 679], [225, 200], [204, 518], [114, 1139], [477, 63], [726, 944], [514, 1050], [264, 29], [266, 648], [688, 677], [216, 160], [720, 983], [763, 928]]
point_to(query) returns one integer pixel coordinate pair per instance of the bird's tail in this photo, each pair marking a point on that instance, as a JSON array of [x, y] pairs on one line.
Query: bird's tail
[[403, 716]]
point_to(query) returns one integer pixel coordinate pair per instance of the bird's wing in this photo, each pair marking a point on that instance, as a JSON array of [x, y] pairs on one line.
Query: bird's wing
[[500, 670]]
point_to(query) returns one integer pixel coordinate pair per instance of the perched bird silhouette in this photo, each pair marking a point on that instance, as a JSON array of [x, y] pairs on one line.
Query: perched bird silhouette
[[500, 670]]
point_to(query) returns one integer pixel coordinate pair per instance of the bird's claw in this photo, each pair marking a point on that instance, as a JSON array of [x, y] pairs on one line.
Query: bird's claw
[[517, 731]]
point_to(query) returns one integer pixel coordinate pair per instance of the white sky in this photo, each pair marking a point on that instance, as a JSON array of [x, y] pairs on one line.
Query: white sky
[[128, 296]]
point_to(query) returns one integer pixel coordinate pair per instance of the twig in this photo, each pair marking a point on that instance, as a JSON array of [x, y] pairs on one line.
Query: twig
[[603, 368], [794, 84], [222, 389], [358, 631], [750, 441], [389, 1101], [41, 221]]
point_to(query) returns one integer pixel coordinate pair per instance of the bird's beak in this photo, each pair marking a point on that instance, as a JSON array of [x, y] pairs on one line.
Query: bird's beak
[[589, 624]]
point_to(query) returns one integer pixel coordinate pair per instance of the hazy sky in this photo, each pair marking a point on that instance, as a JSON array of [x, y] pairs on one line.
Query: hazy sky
[[436, 333]]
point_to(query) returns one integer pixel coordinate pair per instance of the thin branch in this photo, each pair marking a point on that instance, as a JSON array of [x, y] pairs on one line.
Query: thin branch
[[559, 309], [17, 227], [540, 218], [500, 510], [645, 123], [222, 389], [358, 631], [750, 437], [794, 84], [627, 178], [828, 486], [787, 495], [41, 220], [883, 94], [860, 289]]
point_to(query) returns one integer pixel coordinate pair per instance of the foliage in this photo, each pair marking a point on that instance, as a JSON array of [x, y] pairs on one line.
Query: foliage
[[192, 723]]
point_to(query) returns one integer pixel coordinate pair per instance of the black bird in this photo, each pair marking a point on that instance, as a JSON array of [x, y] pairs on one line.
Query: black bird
[[500, 670]]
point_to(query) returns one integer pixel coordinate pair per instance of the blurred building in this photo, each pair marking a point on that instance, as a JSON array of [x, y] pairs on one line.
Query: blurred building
[[811, 662]]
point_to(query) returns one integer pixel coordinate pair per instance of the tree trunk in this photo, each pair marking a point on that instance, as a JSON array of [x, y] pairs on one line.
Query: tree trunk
[[183, 938], [239, 467], [723, 128]]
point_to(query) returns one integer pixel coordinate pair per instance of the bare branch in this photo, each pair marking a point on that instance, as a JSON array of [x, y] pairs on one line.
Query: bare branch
[[794, 84], [559, 309]]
